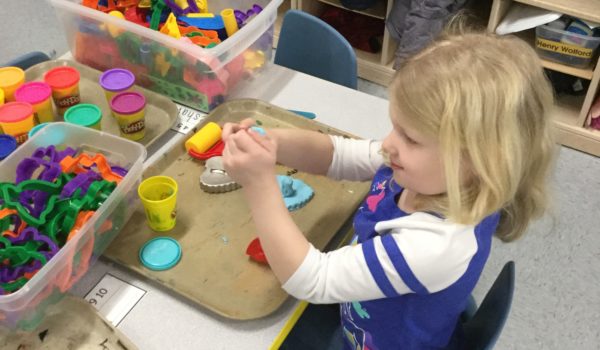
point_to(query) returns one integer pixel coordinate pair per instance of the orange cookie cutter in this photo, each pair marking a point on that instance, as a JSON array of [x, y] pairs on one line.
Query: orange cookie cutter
[[83, 162]]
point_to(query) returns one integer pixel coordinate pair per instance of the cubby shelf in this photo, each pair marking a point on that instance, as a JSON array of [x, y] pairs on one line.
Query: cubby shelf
[[375, 67], [571, 112]]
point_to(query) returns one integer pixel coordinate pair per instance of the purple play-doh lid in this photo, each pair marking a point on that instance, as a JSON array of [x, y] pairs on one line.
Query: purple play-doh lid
[[128, 102], [117, 79]]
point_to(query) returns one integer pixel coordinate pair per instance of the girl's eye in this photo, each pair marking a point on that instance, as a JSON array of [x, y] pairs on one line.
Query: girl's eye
[[409, 140]]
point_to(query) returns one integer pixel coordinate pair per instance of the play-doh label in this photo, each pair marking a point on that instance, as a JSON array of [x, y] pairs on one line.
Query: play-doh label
[[133, 127]]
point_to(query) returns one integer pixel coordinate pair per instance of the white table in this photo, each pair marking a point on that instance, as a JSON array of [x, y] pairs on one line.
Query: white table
[[164, 320]]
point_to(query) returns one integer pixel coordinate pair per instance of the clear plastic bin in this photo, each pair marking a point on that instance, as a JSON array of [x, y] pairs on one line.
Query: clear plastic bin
[[200, 78], [25, 308], [565, 47]]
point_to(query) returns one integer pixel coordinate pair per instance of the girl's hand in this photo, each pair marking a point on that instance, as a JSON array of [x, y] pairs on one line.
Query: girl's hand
[[249, 157], [231, 128]]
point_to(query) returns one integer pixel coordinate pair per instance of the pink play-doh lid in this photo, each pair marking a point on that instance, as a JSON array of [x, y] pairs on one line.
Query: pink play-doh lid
[[128, 102], [14, 112], [34, 92]]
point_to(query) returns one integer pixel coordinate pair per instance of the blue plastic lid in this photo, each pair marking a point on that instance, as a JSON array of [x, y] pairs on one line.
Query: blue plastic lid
[[7, 145], [36, 128], [160, 253]]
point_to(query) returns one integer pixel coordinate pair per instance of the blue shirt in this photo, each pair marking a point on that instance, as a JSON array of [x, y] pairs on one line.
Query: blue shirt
[[418, 320]]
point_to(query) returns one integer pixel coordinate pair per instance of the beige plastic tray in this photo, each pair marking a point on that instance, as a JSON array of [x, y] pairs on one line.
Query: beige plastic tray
[[215, 229], [70, 324], [161, 112]]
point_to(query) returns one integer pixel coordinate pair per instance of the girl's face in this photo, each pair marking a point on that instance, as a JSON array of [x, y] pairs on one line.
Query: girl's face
[[414, 157]]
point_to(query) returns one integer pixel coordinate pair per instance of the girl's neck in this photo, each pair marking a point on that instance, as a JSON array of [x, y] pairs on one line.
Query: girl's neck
[[406, 201]]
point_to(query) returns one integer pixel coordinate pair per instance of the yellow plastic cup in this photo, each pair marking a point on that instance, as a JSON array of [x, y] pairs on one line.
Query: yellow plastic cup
[[1, 97], [129, 108], [10, 80], [64, 82], [38, 94], [159, 198], [16, 119]]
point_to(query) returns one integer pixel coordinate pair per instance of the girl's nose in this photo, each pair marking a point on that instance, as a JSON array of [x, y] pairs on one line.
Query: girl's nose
[[387, 143]]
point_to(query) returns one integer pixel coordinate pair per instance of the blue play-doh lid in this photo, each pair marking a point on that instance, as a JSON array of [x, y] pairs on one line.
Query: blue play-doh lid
[[160, 253], [7, 145]]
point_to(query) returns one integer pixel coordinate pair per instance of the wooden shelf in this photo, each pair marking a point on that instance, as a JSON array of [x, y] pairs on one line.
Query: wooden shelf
[[369, 66], [283, 8], [567, 109], [584, 9], [378, 11], [375, 67], [584, 73], [570, 113]]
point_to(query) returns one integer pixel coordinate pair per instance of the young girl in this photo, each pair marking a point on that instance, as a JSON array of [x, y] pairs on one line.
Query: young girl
[[467, 158]]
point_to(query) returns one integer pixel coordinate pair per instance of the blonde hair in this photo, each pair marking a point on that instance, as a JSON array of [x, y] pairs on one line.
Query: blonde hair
[[487, 100]]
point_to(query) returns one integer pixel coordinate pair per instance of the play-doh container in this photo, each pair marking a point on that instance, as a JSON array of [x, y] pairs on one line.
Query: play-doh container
[[16, 119], [37, 128], [129, 108], [38, 94], [7, 145], [64, 82], [116, 80], [85, 114], [10, 80]]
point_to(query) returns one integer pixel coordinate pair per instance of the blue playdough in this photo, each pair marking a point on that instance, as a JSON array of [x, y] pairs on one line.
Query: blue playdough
[[258, 130], [295, 192]]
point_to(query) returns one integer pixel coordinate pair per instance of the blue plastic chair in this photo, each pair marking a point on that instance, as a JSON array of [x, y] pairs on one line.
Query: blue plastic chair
[[27, 60], [309, 45], [483, 327]]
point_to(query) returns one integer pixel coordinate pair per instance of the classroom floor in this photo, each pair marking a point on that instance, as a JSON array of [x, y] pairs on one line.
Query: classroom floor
[[557, 299]]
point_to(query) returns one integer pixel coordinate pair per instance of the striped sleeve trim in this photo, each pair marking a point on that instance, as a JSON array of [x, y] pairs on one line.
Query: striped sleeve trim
[[402, 268], [376, 270]]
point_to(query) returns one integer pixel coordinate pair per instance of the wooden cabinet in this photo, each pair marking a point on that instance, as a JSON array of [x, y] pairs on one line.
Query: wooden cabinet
[[571, 112], [376, 67]]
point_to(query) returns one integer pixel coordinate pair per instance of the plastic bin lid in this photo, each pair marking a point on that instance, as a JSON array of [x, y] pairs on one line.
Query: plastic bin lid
[[117, 79], [160, 253], [11, 76], [33, 92], [128, 102], [84, 114], [7, 145], [61, 77], [14, 112]]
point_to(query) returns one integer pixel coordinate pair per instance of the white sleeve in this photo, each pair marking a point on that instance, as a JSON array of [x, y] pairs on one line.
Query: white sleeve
[[419, 254], [354, 160]]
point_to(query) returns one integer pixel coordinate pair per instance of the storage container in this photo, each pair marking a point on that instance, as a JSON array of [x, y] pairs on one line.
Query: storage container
[[198, 77], [25, 308], [565, 47]]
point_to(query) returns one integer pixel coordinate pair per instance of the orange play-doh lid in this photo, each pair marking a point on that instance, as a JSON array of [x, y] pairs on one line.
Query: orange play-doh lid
[[61, 77]]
